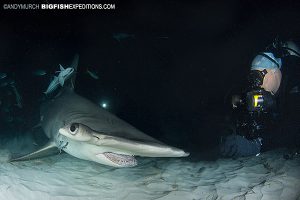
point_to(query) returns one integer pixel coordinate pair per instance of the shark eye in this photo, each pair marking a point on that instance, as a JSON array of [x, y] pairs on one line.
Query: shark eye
[[74, 128]]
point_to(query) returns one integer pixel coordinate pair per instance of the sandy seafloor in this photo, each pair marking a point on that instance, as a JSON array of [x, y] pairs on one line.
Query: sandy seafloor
[[268, 176]]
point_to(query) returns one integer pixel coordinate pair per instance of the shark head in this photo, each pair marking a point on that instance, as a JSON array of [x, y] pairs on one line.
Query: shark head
[[78, 140]]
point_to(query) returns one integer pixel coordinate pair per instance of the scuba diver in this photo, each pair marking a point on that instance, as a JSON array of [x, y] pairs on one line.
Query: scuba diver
[[268, 108], [10, 102]]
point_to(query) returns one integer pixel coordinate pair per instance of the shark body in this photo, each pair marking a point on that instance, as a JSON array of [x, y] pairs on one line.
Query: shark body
[[100, 136]]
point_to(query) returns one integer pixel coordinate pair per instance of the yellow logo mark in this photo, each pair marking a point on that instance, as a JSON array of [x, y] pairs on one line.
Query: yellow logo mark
[[257, 99]]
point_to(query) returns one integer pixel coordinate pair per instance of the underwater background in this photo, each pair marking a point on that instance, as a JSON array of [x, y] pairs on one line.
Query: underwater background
[[170, 71], [165, 67]]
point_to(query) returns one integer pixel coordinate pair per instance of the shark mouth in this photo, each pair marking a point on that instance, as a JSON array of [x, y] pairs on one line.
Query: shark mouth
[[121, 160]]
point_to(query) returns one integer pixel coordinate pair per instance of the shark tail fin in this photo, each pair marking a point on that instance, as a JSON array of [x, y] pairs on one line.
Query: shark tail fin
[[74, 63]]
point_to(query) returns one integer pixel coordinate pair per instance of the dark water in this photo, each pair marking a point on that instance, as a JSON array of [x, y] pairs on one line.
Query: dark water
[[168, 77]]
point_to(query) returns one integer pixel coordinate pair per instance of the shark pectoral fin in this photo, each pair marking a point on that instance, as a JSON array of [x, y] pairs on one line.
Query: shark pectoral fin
[[49, 149]]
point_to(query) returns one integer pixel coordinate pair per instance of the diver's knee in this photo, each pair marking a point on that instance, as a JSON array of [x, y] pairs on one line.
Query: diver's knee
[[238, 146]]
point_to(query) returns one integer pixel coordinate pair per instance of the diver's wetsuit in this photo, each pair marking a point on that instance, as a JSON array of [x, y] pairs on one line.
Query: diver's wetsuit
[[281, 125]]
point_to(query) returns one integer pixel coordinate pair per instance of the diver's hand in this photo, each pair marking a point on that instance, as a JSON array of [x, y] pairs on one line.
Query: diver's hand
[[236, 100]]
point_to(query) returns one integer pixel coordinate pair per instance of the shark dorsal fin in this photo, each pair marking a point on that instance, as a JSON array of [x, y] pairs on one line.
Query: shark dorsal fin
[[61, 67], [74, 65]]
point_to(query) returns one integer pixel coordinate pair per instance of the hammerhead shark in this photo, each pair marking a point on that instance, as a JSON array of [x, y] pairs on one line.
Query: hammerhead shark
[[85, 130]]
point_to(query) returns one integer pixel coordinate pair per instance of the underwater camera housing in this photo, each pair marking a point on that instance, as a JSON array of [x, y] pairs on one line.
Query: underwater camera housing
[[258, 104], [256, 78], [259, 100], [255, 106]]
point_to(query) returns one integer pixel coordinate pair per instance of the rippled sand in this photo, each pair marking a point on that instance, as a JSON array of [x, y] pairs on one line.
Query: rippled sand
[[268, 176]]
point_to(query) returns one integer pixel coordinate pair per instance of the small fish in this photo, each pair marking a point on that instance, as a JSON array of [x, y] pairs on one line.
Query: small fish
[[294, 90], [7, 82], [39, 72], [11, 82], [4, 84], [163, 37], [9, 119], [122, 36], [17, 94], [3, 75], [93, 74]]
